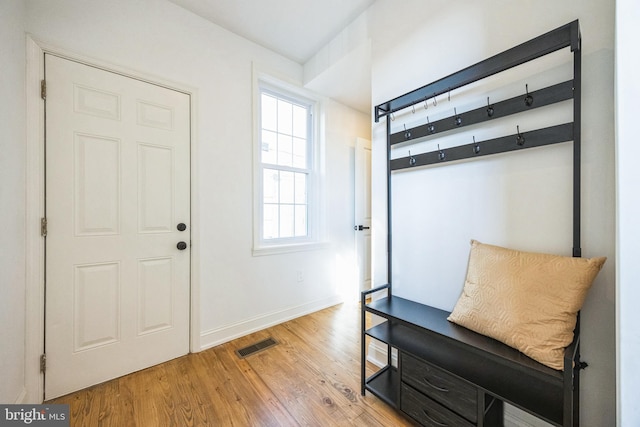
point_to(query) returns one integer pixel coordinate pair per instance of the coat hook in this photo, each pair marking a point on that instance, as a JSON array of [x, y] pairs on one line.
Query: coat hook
[[407, 134], [490, 110], [520, 138], [426, 103], [458, 119], [393, 117], [441, 154], [431, 128], [413, 108], [435, 101], [412, 160], [528, 100], [449, 95], [476, 146]]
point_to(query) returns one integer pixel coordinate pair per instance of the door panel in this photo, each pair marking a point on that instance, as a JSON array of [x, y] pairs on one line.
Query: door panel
[[155, 287], [97, 185], [155, 188], [96, 305], [117, 184]]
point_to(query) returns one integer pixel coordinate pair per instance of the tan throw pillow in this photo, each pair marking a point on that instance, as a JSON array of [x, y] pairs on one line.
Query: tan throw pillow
[[526, 300]]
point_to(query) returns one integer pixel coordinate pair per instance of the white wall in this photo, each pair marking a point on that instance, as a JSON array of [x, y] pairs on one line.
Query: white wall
[[438, 210], [628, 210], [12, 201], [238, 292]]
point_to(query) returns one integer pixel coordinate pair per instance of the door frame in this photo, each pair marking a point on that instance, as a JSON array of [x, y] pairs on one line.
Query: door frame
[[35, 205], [358, 185]]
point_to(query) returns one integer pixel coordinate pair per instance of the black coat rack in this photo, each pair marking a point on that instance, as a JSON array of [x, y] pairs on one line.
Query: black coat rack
[[555, 40]]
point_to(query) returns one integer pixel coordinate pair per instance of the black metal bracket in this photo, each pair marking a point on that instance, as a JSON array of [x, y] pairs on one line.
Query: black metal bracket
[[543, 97], [535, 138]]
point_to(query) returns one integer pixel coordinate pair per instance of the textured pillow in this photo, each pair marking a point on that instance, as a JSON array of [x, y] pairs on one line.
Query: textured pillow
[[526, 300]]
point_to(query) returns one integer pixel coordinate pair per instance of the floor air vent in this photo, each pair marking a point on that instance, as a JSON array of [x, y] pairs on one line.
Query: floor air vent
[[254, 348]]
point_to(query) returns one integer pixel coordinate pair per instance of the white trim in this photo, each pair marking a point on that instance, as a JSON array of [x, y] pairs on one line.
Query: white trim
[[514, 417], [217, 336], [21, 400], [34, 335], [34, 293], [377, 354], [111, 67], [512, 420], [290, 248]]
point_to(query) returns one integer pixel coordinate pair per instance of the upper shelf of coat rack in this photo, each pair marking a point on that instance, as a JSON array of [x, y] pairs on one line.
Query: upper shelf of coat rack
[[566, 36]]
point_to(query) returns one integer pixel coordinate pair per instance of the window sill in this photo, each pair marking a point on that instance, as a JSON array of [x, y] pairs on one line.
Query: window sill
[[289, 248]]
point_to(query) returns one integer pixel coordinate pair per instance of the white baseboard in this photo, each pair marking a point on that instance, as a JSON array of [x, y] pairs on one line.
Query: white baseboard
[[217, 336], [514, 417], [22, 397], [377, 354]]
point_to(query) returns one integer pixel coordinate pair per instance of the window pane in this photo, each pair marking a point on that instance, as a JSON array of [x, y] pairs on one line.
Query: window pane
[[285, 118], [286, 187], [300, 115], [300, 188], [269, 109], [301, 220], [269, 147], [270, 221], [270, 186], [285, 150], [284, 145], [286, 221], [300, 153]]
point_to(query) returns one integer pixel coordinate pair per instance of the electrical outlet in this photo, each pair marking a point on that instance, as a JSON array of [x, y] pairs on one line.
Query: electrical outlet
[[300, 276]]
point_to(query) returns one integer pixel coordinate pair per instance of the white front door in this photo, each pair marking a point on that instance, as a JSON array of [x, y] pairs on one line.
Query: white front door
[[117, 188], [363, 212]]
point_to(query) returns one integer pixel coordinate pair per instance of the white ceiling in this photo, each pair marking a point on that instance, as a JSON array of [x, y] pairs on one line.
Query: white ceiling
[[296, 29]]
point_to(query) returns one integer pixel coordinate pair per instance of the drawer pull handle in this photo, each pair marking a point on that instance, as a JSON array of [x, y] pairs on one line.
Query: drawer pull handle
[[435, 387], [426, 414]]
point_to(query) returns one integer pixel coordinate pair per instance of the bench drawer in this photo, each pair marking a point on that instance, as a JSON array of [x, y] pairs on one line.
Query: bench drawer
[[427, 412], [457, 395]]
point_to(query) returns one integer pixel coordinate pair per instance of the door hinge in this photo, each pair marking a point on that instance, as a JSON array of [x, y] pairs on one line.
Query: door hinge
[[43, 89], [43, 227], [43, 363]]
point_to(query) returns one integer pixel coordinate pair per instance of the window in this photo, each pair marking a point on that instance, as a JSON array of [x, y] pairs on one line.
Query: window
[[286, 169]]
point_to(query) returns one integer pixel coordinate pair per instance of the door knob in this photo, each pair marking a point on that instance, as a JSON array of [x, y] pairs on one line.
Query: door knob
[[182, 246], [182, 226]]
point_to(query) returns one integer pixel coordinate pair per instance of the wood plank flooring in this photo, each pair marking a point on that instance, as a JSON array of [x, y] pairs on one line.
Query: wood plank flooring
[[310, 378]]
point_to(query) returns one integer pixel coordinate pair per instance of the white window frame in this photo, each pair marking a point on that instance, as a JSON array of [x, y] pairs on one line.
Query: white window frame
[[315, 216]]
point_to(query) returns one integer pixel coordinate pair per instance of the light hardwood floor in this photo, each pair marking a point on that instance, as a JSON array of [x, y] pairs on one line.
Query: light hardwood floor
[[311, 378]]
